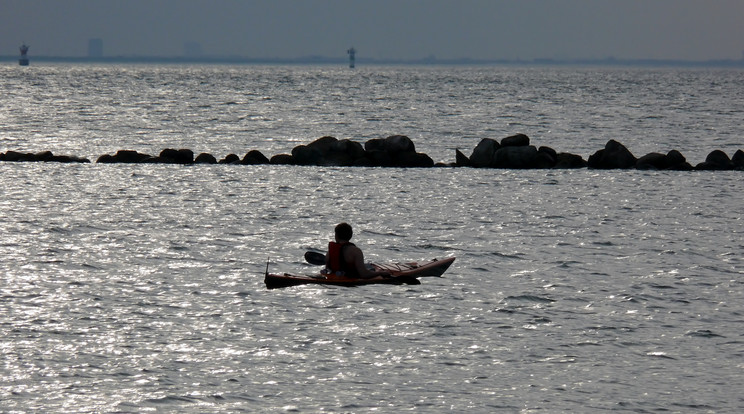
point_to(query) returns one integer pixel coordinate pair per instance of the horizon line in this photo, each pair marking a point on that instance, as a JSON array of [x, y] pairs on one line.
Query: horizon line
[[317, 59]]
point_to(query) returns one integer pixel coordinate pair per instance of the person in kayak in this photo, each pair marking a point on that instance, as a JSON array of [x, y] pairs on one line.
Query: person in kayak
[[345, 258]]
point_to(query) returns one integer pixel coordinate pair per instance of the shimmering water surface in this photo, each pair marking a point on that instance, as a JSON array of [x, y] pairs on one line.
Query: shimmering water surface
[[134, 288]]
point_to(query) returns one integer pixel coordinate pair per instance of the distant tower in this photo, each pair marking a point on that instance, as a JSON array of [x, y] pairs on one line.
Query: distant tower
[[23, 61], [95, 48], [352, 57]]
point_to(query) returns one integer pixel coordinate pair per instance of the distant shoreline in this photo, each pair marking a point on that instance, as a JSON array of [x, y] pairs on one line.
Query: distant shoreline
[[321, 60]]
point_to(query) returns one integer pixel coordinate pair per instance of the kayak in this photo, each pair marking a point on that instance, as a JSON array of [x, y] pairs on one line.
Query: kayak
[[402, 273]]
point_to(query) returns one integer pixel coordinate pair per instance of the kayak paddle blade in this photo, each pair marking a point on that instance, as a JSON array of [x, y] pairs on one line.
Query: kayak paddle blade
[[315, 258]]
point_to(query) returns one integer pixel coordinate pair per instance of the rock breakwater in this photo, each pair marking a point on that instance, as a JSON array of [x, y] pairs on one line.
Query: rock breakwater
[[512, 152]]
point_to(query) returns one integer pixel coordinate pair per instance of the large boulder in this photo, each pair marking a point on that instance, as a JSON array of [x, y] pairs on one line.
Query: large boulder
[[176, 156], [517, 157], [738, 160], [307, 155], [254, 157], [393, 144], [565, 160], [519, 140], [230, 159], [396, 144], [43, 156], [69, 159], [673, 160], [323, 144], [344, 153], [413, 160], [124, 156], [717, 160], [205, 158], [375, 144], [677, 161], [15, 156], [282, 159], [106, 159], [378, 158], [351, 148], [614, 156], [482, 156], [546, 157], [329, 151], [394, 151], [652, 161]]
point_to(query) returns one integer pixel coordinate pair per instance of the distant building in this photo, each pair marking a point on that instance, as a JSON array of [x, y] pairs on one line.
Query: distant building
[[23, 61], [95, 48], [352, 57]]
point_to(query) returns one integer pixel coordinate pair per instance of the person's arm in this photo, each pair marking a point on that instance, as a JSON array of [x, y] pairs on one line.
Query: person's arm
[[362, 270]]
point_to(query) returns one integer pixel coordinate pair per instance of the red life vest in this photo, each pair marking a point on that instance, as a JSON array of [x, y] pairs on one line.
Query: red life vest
[[336, 261]]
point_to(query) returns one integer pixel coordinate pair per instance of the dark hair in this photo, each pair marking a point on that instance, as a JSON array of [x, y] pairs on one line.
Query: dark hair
[[344, 231]]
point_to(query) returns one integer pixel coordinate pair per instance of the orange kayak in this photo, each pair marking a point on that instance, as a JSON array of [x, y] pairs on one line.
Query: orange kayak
[[402, 273]]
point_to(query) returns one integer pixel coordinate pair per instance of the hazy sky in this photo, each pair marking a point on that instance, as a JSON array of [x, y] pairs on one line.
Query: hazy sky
[[408, 29]]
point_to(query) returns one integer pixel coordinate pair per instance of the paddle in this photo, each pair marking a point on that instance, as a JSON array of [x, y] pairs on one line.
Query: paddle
[[315, 258], [319, 259]]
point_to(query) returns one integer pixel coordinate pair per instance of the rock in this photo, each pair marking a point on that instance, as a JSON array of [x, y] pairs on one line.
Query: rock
[[181, 156], [306, 155], [461, 160], [43, 156], [351, 148], [652, 161], [546, 157], [375, 144], [393, 151], [282, 159], [343, 153], [566, 160], [391, 144], [379, 158], [106, 159], [230, 159], [254, 157], [69, 159], [550, 151], [323, 144], [15, 156], [412, 160], [482, 156], [716, 161], [338, 159], [519, 140], [673, 160], [205, 158], [517, 157], [676, 161], [399, 143], [129, 157], [544, 160], [613, 156], [738, 160]]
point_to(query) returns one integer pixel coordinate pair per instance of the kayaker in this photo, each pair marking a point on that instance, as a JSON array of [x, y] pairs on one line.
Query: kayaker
[[344, 258]]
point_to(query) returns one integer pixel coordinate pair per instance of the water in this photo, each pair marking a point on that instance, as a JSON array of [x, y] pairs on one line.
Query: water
[[134, 288]]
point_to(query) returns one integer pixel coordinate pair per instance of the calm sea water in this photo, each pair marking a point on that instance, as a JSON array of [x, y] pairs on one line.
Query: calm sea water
[[135, 288]]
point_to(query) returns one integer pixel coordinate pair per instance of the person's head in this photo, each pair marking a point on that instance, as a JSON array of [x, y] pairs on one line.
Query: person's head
[[343, 232]]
